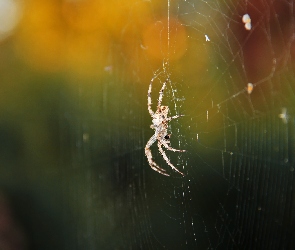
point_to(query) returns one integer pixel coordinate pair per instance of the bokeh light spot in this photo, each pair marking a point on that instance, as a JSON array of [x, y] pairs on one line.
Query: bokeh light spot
[[155, 39], [9, 16]]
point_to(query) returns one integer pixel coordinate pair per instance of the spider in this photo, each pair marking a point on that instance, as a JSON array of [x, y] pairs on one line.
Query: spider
[[160, 121]]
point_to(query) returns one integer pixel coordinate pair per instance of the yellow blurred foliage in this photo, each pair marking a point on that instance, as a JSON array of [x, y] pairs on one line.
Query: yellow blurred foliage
[[89, 37], [75, 35]]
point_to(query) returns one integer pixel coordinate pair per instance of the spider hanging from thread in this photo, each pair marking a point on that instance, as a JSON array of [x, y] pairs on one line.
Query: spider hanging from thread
[[160, 120]]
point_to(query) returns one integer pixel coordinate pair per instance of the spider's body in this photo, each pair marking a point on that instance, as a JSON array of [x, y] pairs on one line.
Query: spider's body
[[160, 121]]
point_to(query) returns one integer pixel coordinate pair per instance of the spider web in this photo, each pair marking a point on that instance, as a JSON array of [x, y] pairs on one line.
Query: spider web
[[238, 188]]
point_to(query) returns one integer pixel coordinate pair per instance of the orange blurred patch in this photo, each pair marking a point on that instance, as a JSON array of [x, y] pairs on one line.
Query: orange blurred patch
[[68, 35], [113, 16], [125, 18], [43, 49], [40, 40], [83, 15], [155, 39], [86, 54]]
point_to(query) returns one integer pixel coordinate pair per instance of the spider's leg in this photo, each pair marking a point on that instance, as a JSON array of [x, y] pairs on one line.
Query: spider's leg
[[165, 144], [150, 99], [174, 117], [151, 142], [152, 164], [149, 156], [166, 158], [161, 93], [158, 169]]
